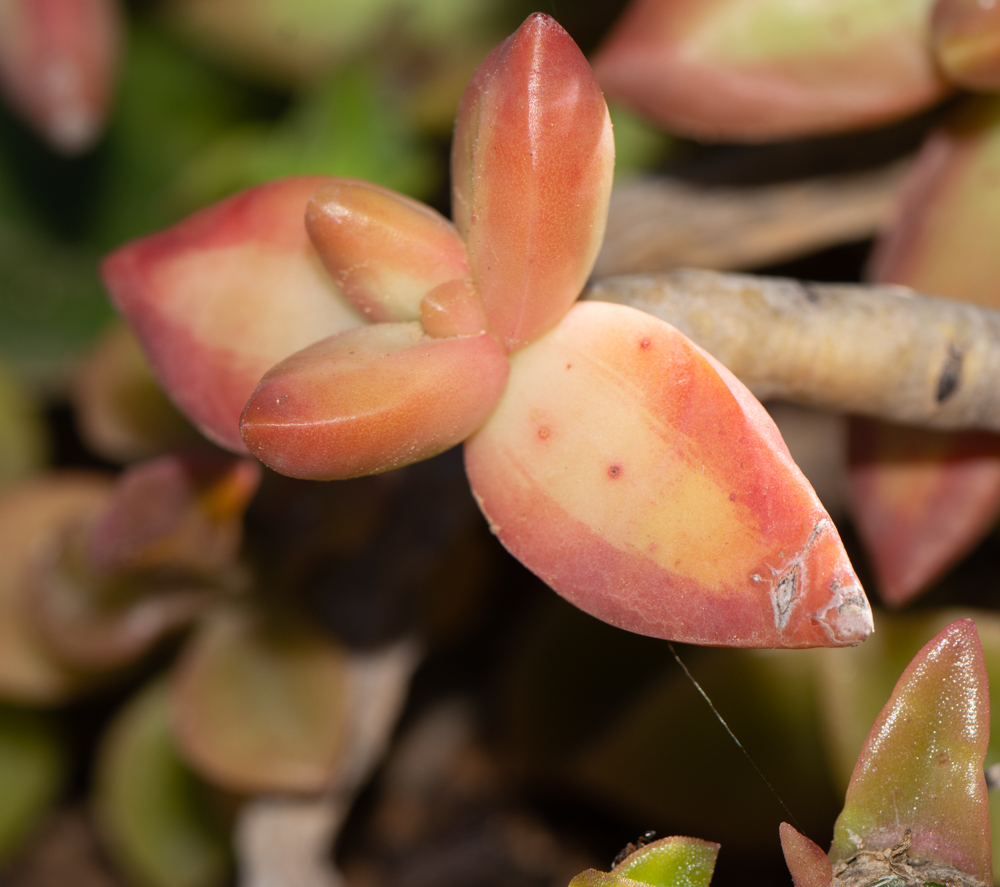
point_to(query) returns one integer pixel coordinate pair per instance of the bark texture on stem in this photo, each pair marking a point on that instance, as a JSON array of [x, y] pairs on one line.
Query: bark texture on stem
[[881, 351]]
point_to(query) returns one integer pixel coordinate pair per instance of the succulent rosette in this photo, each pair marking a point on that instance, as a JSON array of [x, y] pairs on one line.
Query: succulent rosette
[[613, 457]]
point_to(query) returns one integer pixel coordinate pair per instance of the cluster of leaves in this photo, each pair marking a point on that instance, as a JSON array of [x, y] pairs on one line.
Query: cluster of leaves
[[336, 328]]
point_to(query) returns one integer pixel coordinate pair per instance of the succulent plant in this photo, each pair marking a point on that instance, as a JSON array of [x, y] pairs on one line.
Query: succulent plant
[[590, 446]]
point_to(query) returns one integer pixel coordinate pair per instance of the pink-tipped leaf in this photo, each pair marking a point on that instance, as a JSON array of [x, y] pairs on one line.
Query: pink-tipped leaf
[[386, 251], [644, 483], [372, 399], [921, 768], [58, 60], [224, 295], [753, 70], [532, 163], [808, 864]]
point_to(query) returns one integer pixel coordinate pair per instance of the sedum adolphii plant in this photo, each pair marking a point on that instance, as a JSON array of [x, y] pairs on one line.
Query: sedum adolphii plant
[[612, 456]]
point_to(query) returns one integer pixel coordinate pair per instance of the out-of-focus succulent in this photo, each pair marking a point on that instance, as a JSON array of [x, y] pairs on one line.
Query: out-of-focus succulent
[[58, 60]]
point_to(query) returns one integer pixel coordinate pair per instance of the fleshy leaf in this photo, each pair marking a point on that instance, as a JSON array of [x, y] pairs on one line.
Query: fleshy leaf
[[32, 516], [941, 240], [966, 39], [386, 251], [221, 297], [178, 511], [643, 482], [154, 813], [32, 767], [770, 69], [921, 768], [58, 60], [920, 500], [532, 164], [809, 865], [669, 862], [113, 586], [453, 309], [372, 399], [854, 685], [259, 704], [121, 412]]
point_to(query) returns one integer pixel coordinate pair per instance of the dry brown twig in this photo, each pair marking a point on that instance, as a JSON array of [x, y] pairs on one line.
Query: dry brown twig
[[659, 223], [882, 351]]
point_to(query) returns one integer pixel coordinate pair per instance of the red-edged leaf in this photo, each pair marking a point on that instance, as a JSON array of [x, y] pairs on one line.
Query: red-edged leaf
[[921, 768], [770, 69], [643, 482], [809, 865], [532, 165], [920, 500], [58, 60], [386, 251], [966, 36], [942, 238], [221, 297], [372, 399]]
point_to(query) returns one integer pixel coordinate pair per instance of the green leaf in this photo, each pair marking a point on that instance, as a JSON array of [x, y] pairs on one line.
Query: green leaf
[[24, 444], [921, 768], [669, 862], [153, 812], [32, 766]]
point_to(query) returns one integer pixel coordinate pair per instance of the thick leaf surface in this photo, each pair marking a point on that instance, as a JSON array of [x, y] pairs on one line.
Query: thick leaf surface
[[177, 511], [221, 297], [809, 865], [386, 251], [966, 36], [942, 239], [669, 862], [260, 704], [152, 561], [532, 164], [920, 500], [921, 768], [770, 69], [58, 60], [154, 814], [372, 399], [643, 482], [32, 517], [121, 412]]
